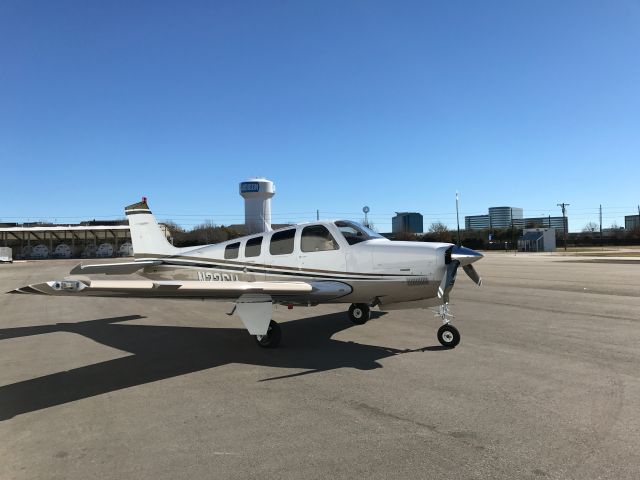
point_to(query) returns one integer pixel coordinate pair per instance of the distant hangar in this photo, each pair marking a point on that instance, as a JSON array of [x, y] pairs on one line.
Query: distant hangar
[[89, 240]]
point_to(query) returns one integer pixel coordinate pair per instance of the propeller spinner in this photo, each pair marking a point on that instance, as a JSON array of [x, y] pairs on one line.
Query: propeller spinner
[[459, 256]]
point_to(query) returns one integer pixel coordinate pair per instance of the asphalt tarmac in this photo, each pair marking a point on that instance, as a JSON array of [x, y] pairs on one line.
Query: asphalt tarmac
[[544, 384]]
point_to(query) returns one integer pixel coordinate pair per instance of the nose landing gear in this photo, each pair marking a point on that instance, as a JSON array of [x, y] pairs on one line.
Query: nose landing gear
[[448, 335]]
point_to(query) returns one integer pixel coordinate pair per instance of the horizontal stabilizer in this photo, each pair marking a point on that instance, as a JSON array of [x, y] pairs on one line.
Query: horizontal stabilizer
[[123, 268], [279, 291]]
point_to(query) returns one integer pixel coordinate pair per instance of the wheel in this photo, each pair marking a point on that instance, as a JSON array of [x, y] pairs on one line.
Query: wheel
[[272, 338], [448, 336], [359, 313]]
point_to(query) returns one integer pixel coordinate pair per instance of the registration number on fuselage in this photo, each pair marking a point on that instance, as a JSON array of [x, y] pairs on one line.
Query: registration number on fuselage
[[217, 277]]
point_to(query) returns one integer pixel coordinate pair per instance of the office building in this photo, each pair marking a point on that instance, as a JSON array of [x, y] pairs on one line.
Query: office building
[[505, 217], [476, 222], [631, 222], [407, 222], [558, 223]]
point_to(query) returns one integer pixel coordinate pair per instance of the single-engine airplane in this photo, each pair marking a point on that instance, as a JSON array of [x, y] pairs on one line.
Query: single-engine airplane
[[306, 264]]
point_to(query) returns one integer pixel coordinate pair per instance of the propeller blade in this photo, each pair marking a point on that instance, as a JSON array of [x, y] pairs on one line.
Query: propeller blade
[[448, 279], [473, 274]]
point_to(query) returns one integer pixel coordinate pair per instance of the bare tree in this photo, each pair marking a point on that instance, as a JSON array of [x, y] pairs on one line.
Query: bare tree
[[590, 227], [616, 231], [406, 237], [440, 232]]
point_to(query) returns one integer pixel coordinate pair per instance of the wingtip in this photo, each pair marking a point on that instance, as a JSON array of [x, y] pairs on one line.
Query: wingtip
[[76, 270], [27, 290]]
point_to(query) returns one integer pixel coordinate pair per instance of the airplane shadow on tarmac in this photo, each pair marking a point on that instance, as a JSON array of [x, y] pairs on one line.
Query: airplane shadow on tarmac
[[159, 352]]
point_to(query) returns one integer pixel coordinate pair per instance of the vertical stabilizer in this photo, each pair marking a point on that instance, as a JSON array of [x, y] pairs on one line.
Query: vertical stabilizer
[[146, 236]]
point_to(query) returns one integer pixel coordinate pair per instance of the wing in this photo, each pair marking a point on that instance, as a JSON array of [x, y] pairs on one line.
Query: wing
[[121, 268], [280, 292]]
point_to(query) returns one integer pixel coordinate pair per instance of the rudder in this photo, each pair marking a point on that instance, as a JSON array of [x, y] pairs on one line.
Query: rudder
[[146, 235]]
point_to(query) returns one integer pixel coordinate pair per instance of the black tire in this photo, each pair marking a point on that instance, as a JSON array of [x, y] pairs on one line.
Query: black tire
[[448, 336], [359, 313], [272, 338]]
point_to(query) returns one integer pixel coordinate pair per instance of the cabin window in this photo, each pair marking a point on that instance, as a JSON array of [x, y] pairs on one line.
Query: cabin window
[[282, 242], [252, 249], [316, 238], [231, 250]]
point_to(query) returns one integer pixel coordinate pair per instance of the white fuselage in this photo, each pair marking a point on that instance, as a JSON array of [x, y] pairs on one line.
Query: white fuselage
[[379, 271]]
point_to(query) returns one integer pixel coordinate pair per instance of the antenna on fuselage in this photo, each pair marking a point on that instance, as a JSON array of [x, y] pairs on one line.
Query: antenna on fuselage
[[458, 217]]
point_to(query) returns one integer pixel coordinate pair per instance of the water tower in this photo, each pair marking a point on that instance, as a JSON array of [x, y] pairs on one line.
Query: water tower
[[257, 193]]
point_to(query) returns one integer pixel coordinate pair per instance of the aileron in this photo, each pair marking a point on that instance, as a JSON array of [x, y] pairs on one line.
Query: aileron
[[121, 268]]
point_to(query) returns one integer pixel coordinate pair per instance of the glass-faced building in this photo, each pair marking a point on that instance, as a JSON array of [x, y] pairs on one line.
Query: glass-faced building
[[505, 217], [559, 223], [407, 222], [476, 222]]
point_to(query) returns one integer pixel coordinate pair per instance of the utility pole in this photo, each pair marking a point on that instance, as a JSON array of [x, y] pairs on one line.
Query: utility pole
[[601, 244], [512, 241], [318, 215], [564, 222]]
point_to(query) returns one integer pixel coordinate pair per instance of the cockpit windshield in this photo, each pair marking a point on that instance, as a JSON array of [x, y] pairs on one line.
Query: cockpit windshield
[[354, 232]]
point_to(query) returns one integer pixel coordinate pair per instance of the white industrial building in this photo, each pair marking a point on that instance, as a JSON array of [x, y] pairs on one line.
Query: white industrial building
[[537, 240]]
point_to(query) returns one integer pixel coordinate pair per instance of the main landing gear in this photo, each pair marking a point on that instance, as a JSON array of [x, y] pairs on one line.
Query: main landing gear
[[448, 335], [359, 313], [272, 338]]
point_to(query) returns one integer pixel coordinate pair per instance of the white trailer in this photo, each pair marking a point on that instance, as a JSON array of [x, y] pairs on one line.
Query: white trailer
[[6, 254]]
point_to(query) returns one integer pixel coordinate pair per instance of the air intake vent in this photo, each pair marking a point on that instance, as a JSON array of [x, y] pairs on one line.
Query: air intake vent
[[447, 255]]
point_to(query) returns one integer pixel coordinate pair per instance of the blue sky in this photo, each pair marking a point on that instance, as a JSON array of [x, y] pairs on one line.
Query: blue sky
[[395, 105]]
